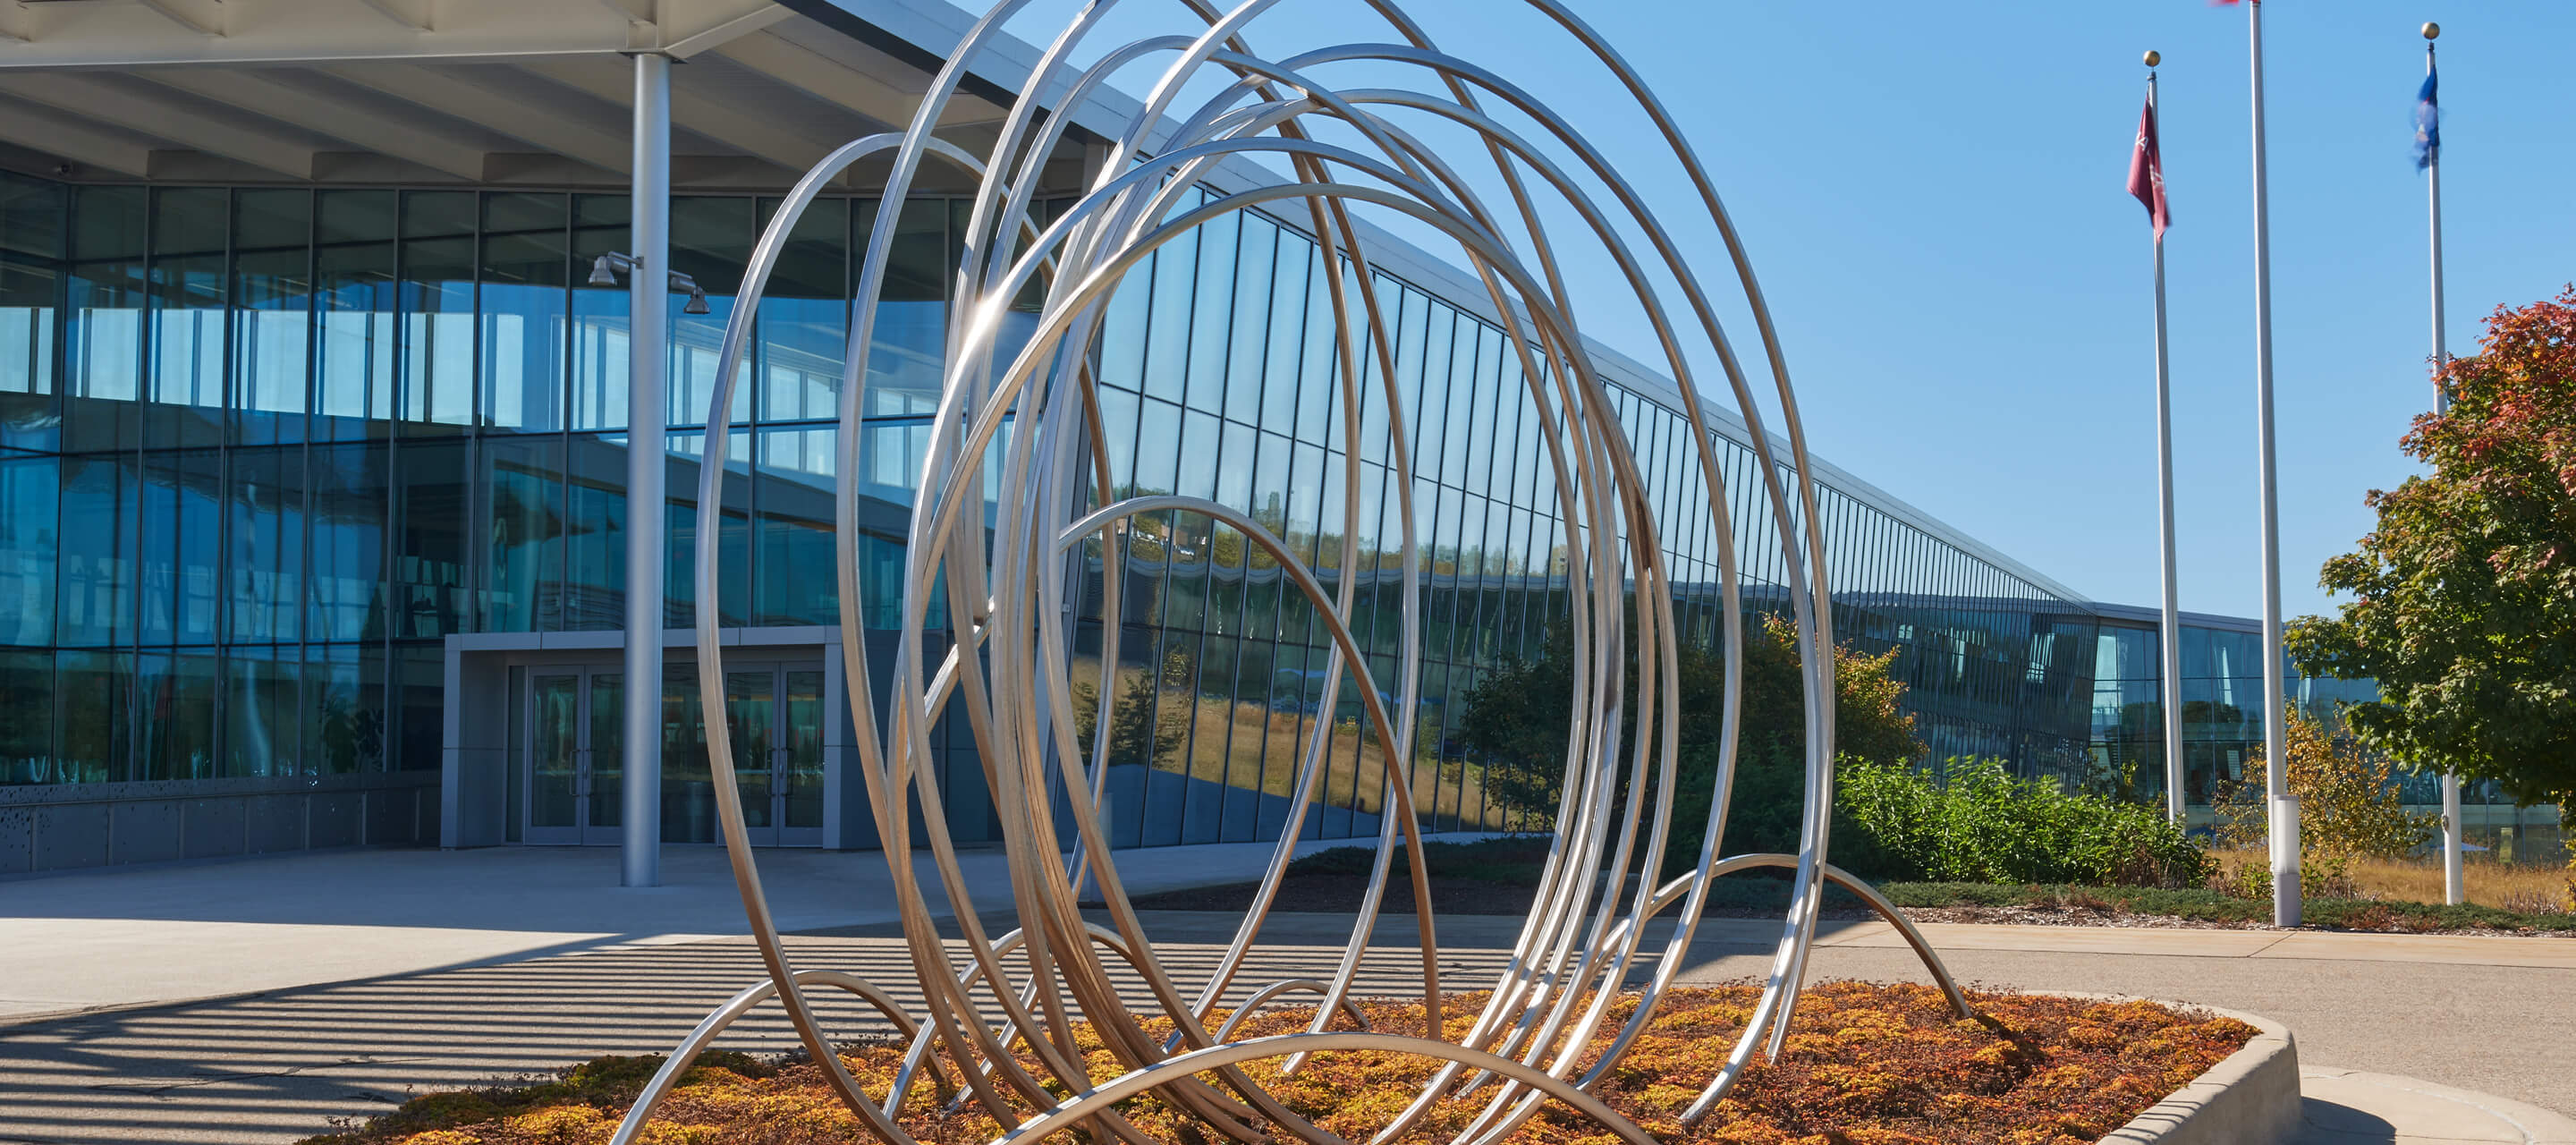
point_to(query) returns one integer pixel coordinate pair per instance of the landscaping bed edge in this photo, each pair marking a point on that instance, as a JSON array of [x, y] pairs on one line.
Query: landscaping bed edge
[[2251, 1097]]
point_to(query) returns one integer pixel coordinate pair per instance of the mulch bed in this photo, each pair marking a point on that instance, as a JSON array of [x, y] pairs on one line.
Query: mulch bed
[[1864, 1065]]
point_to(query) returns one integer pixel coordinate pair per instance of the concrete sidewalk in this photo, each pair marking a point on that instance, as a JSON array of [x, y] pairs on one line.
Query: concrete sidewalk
[[105, 938]]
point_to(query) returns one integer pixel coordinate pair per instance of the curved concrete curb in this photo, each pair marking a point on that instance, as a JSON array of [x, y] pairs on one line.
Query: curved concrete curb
[[2251, 1097], [2345, 1105]]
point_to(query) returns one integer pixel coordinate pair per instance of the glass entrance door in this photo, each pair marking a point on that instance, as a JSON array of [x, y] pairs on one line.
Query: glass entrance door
[[575, 792], [574, 765], [775, 717]]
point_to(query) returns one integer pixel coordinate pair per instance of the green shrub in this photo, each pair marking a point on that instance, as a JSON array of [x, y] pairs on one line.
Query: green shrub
[[1982, 825]]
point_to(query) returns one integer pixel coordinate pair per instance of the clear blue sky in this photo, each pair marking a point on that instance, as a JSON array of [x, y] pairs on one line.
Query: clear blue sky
[[1933, 196]]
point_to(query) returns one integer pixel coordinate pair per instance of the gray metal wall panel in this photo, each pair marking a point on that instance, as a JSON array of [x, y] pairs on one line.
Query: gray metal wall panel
[[143, 832], [17, 840], [333, 819], [213, 828], [273, 823], [71, 835]]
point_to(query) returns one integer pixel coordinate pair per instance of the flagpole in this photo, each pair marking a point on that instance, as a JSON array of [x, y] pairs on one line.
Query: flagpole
[[2170, 638], [2276, 763], [2454, 879]]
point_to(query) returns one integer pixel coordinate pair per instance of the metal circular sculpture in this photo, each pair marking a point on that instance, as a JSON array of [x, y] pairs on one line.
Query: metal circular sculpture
[[1025, 406]]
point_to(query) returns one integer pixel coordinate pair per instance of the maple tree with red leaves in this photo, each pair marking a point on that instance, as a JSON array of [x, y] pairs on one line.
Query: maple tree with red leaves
[[2464, 597]]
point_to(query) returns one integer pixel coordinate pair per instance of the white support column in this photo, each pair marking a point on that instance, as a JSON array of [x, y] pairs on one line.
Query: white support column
[[648, 324]]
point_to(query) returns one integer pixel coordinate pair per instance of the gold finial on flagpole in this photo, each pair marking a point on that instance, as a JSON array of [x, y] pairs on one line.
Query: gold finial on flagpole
[[2154, 57], [2431, 30]]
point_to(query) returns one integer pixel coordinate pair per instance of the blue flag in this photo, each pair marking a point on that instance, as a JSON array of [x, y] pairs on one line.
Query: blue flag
[[2428, 121]]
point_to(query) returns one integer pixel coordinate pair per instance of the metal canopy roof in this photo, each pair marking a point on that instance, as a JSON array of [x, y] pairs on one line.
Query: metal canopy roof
[[428, 91]]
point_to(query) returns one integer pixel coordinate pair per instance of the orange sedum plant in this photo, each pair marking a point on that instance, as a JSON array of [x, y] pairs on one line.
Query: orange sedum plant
[[1865, 1065]]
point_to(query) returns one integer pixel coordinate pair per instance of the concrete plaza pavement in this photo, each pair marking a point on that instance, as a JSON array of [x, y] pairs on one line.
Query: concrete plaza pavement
[[108, 937], [272, 1063]]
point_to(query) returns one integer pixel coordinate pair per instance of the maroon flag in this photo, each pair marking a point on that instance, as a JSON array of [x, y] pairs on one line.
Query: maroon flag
[[2147, 172]]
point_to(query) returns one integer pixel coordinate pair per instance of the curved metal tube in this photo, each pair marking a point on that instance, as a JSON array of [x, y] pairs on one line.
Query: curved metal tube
[[1273, 991], [1018, 406]]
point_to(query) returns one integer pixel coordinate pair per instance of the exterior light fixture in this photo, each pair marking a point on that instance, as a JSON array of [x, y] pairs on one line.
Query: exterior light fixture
[[605, 269]]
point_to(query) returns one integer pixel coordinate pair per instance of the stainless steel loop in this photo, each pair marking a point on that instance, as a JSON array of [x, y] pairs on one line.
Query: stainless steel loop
[[1020, 516]]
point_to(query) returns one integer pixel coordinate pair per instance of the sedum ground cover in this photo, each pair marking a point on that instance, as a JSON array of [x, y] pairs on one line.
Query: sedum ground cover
[[1865, 1065]]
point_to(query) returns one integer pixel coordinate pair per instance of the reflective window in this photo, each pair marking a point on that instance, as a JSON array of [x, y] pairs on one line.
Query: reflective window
[[28, 313], [710, 242], [344, 718], [793, 499], [272, 329], [431, 498], [93, 718], [733, 539], [176, 737], [805, 317], [525, 299], [600, 369], [264, 544], [521, 534], [595, 534], [26, 716], [103, 347], [262, 716], [100, 501], [347, 488], [909, 338], [30, 526], [179, 577], [354, 260], [185, 387], [437, 299]]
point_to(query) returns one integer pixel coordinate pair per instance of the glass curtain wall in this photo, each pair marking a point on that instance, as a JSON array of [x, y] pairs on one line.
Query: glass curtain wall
[[262, 449], [1220, 363]]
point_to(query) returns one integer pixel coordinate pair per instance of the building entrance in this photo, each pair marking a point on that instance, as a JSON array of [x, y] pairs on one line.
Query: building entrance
[[576, 763]]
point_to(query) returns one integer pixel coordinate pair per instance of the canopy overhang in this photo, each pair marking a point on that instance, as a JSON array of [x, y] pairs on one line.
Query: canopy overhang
[[508, 92]]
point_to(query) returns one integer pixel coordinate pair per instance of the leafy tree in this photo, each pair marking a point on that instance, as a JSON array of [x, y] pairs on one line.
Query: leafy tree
[[1518, 719], [2349, 808], [2464, 596]]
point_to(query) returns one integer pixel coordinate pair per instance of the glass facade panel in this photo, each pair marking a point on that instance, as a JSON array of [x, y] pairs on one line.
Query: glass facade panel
[[272, 309], [354, 266], [436, 296], [185, 387], [177, 696], [108, 285], [30, 525], [524, 306], [26, 716], [521, 532], [908, 340]]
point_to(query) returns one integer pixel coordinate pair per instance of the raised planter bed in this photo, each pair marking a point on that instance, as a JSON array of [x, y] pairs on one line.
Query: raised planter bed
[[1875, 1065]]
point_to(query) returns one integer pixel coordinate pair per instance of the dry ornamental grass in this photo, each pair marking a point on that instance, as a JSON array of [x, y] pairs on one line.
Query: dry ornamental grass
[[1865, 1065]]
